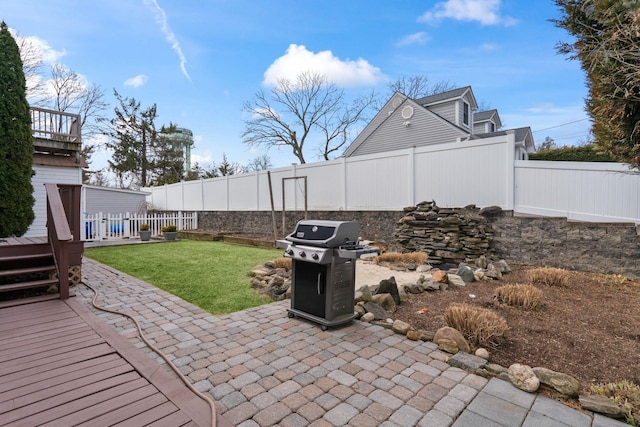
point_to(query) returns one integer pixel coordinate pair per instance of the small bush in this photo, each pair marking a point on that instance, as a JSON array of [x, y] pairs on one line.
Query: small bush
[[398, 258], [283, 263], [480, 326], [144, 227], [169, 229], [526, 296], [549, 276], [625, 393]]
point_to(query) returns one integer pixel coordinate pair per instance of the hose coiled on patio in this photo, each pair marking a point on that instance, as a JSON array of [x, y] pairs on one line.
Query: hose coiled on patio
[[173, 367]]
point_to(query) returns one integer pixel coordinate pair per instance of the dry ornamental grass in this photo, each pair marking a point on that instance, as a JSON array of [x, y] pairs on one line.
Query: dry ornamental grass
[[480, 326], [549, 276], [526, 296], [402, 259]]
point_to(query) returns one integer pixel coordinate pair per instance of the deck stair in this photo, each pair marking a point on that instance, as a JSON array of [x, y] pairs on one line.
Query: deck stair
[[26, 270]]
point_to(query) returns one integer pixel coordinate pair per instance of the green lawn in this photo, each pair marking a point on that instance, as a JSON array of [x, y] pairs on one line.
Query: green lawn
[[211, 275]]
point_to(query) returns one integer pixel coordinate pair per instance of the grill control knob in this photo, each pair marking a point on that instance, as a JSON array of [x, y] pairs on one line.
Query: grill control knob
[[302, 254], [289, 251], [315, 256]]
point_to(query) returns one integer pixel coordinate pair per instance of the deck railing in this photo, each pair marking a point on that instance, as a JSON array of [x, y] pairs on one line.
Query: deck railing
[[55, 125], [59, 235]]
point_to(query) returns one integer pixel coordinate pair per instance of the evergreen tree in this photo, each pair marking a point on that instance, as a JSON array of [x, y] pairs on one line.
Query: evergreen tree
[[607, 34], [16, 142]]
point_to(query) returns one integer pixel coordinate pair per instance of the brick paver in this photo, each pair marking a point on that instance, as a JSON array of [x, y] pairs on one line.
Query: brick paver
[[263, 368]]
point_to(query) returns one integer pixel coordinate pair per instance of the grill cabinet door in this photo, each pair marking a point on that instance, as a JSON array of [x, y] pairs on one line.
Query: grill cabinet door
[[309, 288]]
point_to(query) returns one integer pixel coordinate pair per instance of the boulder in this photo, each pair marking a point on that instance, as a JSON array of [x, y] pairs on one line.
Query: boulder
[[503, 267], [523, 377], [400, 327], [377, 311], [448, 346], [415, 288], [455, 280], [367, 317], [366, 293], [483, 353], [562, 383], [389, 286], [431, 285], [439, 276], [413, 335], [490, 210], [482, 262], [465, 272], [385, 301], [450, 333], [425, 335], [602, 405], [359, 310]]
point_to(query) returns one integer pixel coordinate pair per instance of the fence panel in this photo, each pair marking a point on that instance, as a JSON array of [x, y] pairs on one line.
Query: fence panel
[[125, 226], [457, 174], [601, 192]]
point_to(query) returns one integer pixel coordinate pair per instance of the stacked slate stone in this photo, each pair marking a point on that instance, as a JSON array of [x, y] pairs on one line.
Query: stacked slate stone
[[447, 236]]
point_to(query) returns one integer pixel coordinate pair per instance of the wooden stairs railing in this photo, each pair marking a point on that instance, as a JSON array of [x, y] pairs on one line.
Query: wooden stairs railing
[[29, 268]]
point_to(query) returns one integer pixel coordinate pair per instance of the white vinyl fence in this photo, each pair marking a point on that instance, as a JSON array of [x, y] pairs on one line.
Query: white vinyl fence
[[124, 226], [482, 172]]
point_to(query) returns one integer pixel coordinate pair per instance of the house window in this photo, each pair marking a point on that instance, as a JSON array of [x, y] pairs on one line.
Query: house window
[[492, 127], [465, 113]]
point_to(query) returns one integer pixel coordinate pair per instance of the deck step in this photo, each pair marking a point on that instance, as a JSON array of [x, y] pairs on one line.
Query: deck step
[[27, 270], [27, 285], [37, 256]]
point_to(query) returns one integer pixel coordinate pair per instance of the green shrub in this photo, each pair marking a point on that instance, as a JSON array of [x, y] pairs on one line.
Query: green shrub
[[584, 153]]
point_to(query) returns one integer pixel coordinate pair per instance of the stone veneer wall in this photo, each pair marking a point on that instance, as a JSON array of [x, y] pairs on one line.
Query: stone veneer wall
[[611, 248], [555, 242]]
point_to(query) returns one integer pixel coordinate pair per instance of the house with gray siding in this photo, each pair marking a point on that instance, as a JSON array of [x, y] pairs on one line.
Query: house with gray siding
[[107, 200], [445, 117]]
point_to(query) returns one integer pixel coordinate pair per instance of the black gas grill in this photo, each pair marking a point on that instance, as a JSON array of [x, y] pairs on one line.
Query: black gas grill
[[324, 255]]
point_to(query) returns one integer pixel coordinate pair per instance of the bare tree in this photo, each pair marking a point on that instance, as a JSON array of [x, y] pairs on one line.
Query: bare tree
[[416, 87], [293, 111], [260, 163], [32, 66]]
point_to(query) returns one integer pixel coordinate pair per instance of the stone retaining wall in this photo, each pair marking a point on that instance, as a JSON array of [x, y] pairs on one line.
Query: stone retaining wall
[[555, 242]]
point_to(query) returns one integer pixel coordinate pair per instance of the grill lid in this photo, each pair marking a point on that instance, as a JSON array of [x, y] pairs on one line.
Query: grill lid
[[328, 234]]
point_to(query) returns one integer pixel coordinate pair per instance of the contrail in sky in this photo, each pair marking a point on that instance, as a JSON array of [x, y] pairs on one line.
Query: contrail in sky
[[161, 18]]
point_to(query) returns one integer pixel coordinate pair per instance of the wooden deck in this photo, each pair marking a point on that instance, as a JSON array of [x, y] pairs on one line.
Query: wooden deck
[[60, 365], [19, 241]]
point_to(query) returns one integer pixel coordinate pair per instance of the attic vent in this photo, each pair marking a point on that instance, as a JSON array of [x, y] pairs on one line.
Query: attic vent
[[407, 112], [396, 102]]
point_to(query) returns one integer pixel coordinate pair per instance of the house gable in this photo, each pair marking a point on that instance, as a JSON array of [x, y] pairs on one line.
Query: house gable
[[406, 125], [456, 106]]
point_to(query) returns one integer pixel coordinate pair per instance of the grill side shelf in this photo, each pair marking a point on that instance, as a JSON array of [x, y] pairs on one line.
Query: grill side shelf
[[357, 253]]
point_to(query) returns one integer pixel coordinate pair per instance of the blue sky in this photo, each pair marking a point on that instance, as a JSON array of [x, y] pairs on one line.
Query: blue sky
[[200, 60]]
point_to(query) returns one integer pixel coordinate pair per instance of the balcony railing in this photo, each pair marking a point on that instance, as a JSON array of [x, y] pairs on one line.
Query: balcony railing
[[55, 130]]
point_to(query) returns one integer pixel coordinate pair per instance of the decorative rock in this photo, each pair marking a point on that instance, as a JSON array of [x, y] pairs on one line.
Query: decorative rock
[[465, 272], [455, 280], [401, 327], [439, 276], [449, 346], [478, 275], [367, 317], [425, 335], [601, 405], [562, 383], [467, 361], [385, 301], [423, 268], [416, 288], [496, 369], [431, 285], [366, 293], [482, 262], [490, 210], [413, 335], [450, 333], [523, 377], [360, 311], [389, 286], [377, 311], [483, 353], [493, 273], [261, 271], [503, 266]]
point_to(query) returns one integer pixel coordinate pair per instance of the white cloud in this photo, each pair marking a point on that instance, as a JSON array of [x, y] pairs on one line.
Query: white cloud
[[161, 18], [136, 81], [298, 60], [486, 12], [416, 38]]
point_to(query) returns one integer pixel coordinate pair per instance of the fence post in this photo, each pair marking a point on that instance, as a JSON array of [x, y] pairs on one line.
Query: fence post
[[127, 226], [102, 234], [511, 174], [180, 221]]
